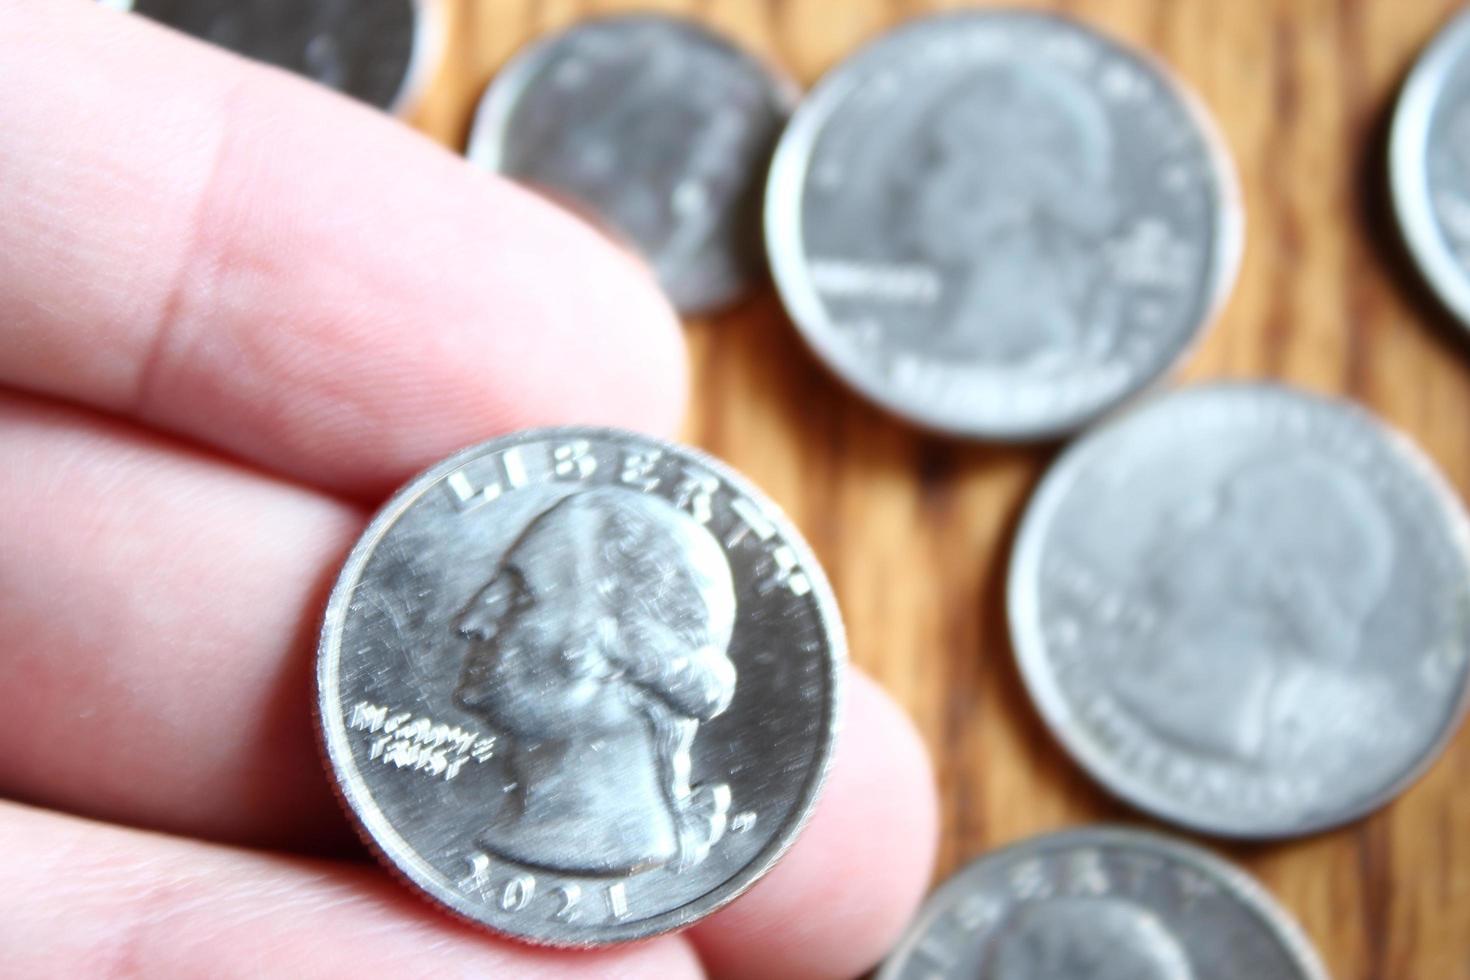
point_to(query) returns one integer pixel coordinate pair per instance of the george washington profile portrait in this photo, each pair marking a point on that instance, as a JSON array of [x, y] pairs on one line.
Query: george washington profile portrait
[[1265, 589], [596, 650], [1008, 191]]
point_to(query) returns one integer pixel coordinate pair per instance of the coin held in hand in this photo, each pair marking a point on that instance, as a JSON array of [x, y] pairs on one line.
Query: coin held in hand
[[580, 685]]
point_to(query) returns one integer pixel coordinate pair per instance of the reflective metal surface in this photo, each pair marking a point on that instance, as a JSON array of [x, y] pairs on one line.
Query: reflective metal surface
[[379, 51], [1429, 165], [1244, 608], [1102, 904], [580, 685], [1000, 224], [656, 128]]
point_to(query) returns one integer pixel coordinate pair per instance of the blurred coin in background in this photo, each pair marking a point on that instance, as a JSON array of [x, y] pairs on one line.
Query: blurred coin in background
[[1102, 903], [382, 52], [1243, 609], [1001, 224], [653, 127], [1429, 165]]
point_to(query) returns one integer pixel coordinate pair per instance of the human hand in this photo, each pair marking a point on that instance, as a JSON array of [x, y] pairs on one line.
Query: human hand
[[236, 311]]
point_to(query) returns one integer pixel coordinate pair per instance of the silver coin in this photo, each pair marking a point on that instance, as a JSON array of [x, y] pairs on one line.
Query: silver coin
[[659, 129], [379, 51], [1001, 224], [1102, 903], [580, 685], [1429, 165], [1244, 607]]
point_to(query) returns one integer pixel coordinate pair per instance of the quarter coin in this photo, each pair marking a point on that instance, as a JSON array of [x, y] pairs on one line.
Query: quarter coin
[[1243, 608], [656, 128], [1001, 224], [379, 51], [1429, 165], [1102, 903], [580, 685]]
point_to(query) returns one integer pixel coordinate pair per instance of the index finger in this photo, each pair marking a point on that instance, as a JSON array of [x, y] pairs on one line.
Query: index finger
[[227, 252]]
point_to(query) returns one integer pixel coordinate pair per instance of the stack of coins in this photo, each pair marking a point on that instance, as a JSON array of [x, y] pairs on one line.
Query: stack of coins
[[1239, 607]]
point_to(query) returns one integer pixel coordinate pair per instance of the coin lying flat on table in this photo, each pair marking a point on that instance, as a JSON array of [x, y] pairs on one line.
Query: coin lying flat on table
[[1102, 904], [580, 685], [379, 51], [656, 128], [1242, 608], [1429, 165], [1000, 224]]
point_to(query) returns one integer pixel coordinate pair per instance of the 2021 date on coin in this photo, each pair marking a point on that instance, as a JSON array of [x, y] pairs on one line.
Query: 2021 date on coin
[[580, 685]]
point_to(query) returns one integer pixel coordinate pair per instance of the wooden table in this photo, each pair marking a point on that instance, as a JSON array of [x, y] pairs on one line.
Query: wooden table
[[915, 530]]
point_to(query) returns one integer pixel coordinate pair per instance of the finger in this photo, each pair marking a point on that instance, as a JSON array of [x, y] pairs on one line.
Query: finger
[[225, 251], [179, 699], [93, 900], [844, 891], [157, 611]]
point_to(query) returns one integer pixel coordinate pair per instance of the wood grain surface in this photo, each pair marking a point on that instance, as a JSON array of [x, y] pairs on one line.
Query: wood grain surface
[[915, 530]]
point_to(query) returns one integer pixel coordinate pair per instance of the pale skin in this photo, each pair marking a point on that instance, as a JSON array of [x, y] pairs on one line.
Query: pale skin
[[235, 312]]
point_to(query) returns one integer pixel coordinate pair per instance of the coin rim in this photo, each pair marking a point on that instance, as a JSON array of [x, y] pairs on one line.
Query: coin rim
[[378, 832], [1245, 888], [1408, 172], [430, 35], [784, 243], [1032, 654], [489, 129]]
